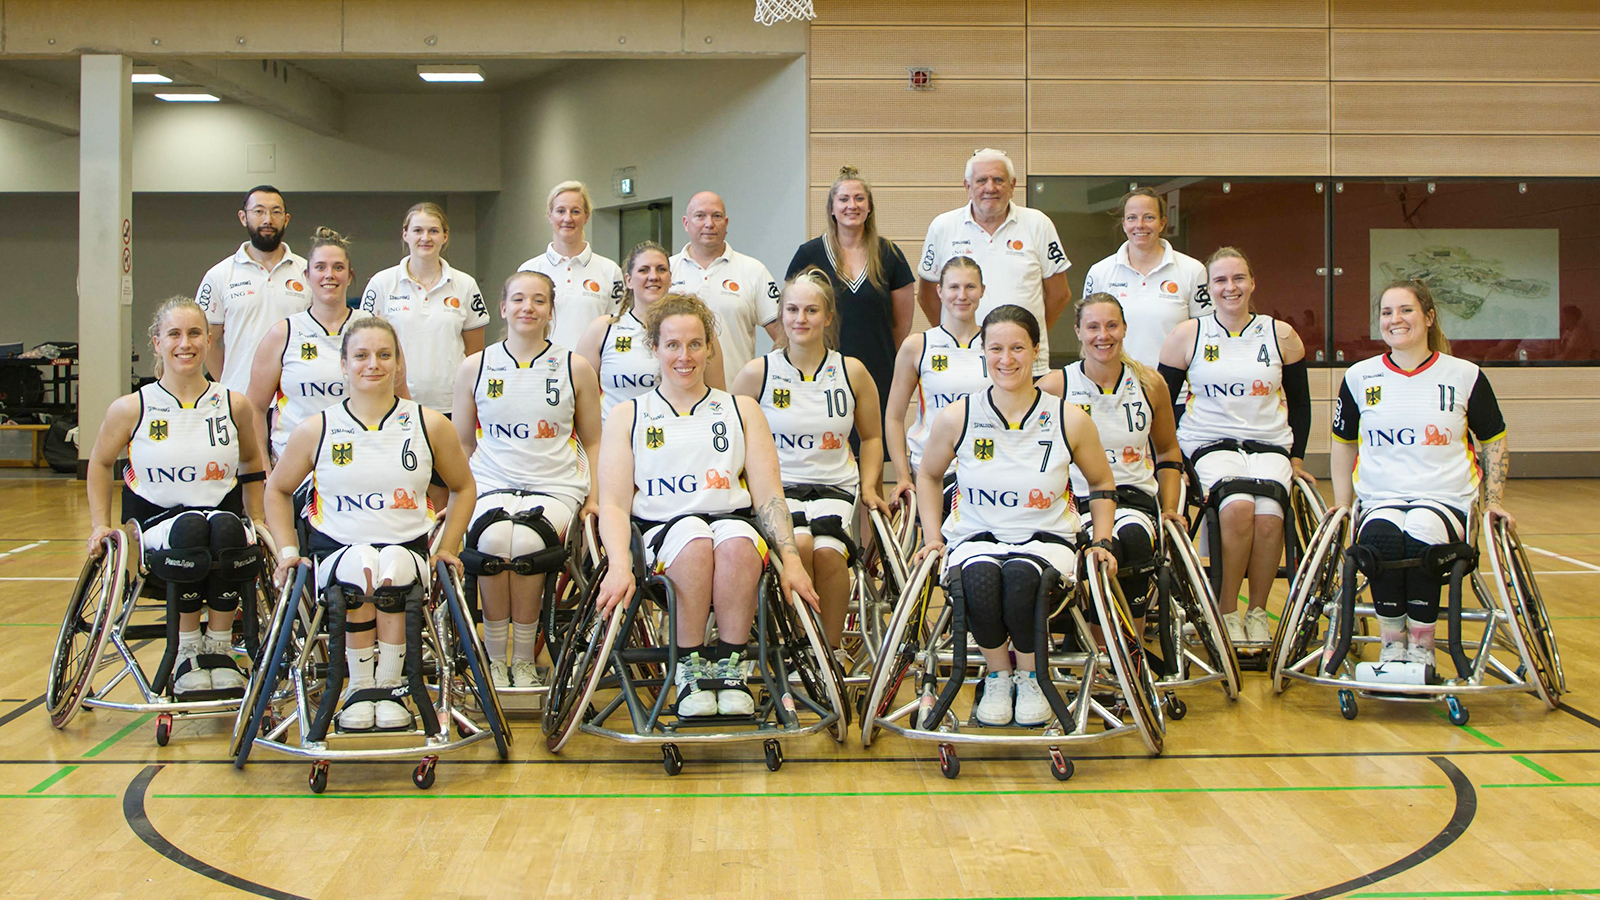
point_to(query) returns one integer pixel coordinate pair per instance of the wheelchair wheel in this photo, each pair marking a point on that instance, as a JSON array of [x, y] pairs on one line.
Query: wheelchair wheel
[[579, 668], [1314, 591], [267, 668], [85, 629], [476, 673], [1308, 509], [1191, 591], [901, 642], [1531, 630], [878, 579], [810, 659], [1129, 661]]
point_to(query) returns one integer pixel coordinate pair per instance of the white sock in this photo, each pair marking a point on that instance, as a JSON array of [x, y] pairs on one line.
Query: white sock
[[496, 634], [523, 640], [1392, 629], [391, 659], [188, 639], [361, 662], [224, 637]]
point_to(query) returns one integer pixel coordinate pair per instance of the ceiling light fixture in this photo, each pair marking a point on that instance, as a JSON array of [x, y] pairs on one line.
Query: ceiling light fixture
[[450, 73], [188, 98], [149, 75]]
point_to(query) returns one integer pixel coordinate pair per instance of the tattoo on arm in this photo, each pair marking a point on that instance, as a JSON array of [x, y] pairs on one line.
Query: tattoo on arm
[[1497, 463], [778, 524]]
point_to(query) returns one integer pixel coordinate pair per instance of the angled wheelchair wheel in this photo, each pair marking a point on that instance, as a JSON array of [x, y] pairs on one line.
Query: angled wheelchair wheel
[[1308, 509], [85, 629], [901, 642], [1129, 661], [878, 580], [1192, 591], [476, 674], [579, 669], [809, 657], [1313, 593], [278, 648], [1530, 626]]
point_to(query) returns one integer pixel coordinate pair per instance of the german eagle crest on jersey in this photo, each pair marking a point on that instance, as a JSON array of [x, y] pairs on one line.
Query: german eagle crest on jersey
[[780, 398], [343, 454], [1212, 353], [308, 350], [158, 429], [1374, 394], [940, 362], [497, 387], [983, 448], [654, 437], [624, 344]]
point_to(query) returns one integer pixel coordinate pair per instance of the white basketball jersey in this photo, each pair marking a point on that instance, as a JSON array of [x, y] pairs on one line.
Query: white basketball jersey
[[811, 415], [1235, 380], [1012, 480], [1122, 416], [525, 432], [312, 379], [183, 455], [627, 367], [689, 462], [370, 485], [947, 371], [1412, 430]]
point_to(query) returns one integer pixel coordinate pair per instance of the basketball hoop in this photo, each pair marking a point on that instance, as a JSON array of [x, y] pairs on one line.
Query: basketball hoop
[[769, 12]]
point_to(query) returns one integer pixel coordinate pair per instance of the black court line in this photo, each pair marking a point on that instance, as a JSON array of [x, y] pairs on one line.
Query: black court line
[[1579, 715], [1466, 809], [21, 711], [133, 812]]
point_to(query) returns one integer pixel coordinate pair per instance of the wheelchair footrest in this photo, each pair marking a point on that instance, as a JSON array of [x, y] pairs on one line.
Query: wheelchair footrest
[[1395, 673], [684, 722], [208, 695]]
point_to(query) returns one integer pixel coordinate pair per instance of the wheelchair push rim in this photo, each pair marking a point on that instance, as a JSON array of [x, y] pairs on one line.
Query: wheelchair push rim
[[72, 670]]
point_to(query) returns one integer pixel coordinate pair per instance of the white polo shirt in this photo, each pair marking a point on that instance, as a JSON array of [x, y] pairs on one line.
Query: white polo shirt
[[430, 324], [1016, 259], [247, 300], [588, 286], [1153, 304], [742, 294]]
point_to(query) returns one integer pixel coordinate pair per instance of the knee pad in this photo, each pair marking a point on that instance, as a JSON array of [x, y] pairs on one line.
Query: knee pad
[[186, 563], [980, 586], [829, 532], [1020, 580], [1271, 499], [494, 541], [1136, 562], [236, 561], [1378, 547]]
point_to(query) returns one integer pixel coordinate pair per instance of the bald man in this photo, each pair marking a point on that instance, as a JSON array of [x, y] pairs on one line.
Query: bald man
[[737, 288]]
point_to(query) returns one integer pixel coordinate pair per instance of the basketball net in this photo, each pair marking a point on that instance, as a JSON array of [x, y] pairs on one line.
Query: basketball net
[[771, 11]]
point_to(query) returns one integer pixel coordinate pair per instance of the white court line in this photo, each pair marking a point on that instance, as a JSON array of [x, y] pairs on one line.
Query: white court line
[[41, 578], [1577, 562], [1541, 573], [23, 547]]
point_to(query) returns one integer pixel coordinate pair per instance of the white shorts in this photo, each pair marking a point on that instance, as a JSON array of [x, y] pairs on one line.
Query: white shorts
[[816, 509], [556, 509], [368, 567], [1060, 556], [1424, 525], [693, 529], [155, 537], [1220, 464]]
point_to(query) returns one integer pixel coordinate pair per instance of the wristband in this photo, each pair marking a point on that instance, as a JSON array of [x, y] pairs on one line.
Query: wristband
[[1103, 544], [289, 551]]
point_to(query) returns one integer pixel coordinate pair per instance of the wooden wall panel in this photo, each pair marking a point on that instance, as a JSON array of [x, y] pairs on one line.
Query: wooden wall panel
[[896, 160], [1178, 154], [886, 52], [1256, 13], [1465, 14], [1535, 425], [920, 12], [1465, 56], [879, 106], [1442, 108], [1466, 155], [1204, 54], [1545, 382], [1177, 106]]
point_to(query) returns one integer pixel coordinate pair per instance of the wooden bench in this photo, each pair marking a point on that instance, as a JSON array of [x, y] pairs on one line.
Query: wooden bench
[[39, 432]]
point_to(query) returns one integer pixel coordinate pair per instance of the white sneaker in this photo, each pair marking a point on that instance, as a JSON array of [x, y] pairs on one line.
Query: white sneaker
[[1234, 623], [1392, 651], [1420, 654], [498, 674], [356, 716], [734, 701], [1258, 626], [1032, 709], [995, 707], [223, 678], [692, 700], [524, 674], [196, 678], [391, 714]]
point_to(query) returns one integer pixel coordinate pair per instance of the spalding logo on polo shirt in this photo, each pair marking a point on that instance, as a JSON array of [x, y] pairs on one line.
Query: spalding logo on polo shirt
[[592, 286], [731, 286], [1170, 287], [453, 302], [296, 286], [1014, 244]]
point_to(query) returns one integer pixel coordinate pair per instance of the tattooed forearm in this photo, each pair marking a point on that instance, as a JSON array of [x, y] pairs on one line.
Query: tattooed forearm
[[1497, 468], [778, 524]]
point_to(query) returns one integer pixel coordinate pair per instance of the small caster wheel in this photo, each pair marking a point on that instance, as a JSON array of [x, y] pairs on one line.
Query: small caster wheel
[[319, 776], [1176, 708], [671, 759], [268, 722], [774, 755], [422, 775], [163, 729], [949, 763], [1458, 713], [1347, 703], [461, 731], [1060, 766]]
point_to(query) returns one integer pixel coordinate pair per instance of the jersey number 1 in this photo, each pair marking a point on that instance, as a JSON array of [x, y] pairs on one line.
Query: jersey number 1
[[1452, 401], [217, 431], [835, 399]]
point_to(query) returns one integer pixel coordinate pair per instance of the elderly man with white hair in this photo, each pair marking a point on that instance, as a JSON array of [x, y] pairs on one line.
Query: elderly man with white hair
[[1016, 247]]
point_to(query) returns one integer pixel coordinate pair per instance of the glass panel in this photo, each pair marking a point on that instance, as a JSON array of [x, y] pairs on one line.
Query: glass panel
[[1512, 265]]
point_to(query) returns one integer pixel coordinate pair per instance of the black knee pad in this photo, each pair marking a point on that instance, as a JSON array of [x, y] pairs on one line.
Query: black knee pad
[[1383, 542], [980, 585], [393, 599], [1020, 580], [236, 562], [1136, 562], [186, 563], [1422, 584]]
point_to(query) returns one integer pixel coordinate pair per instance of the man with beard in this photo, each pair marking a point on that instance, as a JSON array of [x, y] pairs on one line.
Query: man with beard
[[245, 294]]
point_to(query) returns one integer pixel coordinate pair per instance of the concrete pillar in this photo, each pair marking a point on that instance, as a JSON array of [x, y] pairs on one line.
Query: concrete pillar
[[105, 241]]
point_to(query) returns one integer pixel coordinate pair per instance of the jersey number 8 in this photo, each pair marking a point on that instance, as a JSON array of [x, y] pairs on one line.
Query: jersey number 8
[[719, 436]]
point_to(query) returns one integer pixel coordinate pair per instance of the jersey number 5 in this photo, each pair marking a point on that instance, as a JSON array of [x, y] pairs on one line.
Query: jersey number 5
[[552, 391]]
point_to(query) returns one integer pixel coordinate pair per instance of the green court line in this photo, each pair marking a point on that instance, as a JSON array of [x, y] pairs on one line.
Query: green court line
[[1546, 773], [652, 795], [1472, 731], [1544, 784], [44, 785], [127, 729]]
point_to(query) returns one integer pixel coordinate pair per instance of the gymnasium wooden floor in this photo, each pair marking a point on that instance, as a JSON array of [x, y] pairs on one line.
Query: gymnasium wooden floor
[[1269, 796]]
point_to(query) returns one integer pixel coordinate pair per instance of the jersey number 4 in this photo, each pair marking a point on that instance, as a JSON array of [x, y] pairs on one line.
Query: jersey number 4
[[1263, 357]]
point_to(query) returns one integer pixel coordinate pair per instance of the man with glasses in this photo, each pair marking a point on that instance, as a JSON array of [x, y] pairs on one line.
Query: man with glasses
[[737, 288], [245, 294], [1017, 249]]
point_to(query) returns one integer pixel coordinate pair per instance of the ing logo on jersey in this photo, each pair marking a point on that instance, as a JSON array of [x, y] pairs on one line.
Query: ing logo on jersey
[[343, 454], [940, 362], [983, 448], [1037, 500], [158, 429], [214, 472], [546, 430], [624, 344], [654, 437], [1213, 353], [404, 499], [830, 441], [1434, 436], [497, 388], [1131, 455], [717, 481], [1259, 389], [780, 398], [1374, 394], [308, 350]]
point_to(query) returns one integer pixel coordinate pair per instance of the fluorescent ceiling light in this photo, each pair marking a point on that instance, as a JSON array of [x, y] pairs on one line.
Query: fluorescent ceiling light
[[188, 98], [450, 73], [149, 75]]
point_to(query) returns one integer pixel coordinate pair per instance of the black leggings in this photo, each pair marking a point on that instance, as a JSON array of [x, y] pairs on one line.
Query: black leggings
[[1410, 592], [1001, 599]]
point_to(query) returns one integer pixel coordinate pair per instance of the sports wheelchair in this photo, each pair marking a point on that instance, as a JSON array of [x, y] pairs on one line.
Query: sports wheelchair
[[628, 660], [877, 576], [122, 600], [292, 699], [1085, 685], [1317, 640]]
